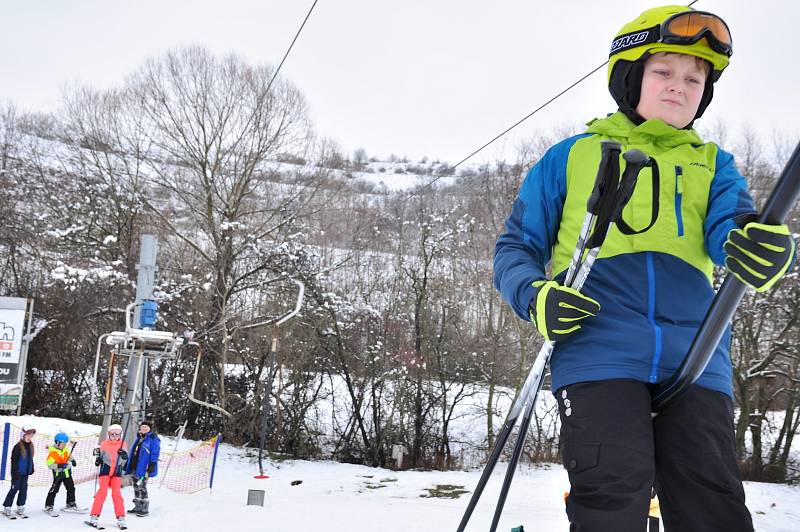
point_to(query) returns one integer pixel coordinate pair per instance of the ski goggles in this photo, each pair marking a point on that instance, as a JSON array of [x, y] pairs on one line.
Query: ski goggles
[[687, 27], [29, 432], [114, 434]]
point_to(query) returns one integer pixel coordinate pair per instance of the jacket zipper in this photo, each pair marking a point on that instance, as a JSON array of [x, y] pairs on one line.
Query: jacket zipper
[[679, 198], [651, 316]]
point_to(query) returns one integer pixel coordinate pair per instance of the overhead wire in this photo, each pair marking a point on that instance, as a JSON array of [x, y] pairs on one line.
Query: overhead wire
[[302, 25]]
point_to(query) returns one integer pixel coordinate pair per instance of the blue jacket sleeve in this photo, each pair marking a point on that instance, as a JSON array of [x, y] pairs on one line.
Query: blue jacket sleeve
[[727, 199], [155, 451], [524, 248]]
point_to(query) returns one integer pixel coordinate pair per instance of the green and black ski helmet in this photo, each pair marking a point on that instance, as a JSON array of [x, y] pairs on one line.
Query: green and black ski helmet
[[678, 29]]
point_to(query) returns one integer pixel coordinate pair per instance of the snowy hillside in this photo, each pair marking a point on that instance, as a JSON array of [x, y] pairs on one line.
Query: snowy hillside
[[346, 498]]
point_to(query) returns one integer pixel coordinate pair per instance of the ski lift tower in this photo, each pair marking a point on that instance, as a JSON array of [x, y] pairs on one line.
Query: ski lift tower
[[145, 280]]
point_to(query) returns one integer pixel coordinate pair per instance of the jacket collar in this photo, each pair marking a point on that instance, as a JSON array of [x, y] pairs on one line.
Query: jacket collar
[[657, 132]]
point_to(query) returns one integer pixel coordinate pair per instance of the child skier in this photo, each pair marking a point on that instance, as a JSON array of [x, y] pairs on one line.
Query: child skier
[[143, 465], [110, 457], [647, 292], [21, 469], [61, 462]]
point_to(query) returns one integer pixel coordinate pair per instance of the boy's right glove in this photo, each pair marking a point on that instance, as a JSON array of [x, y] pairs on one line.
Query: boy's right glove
[[556, 309], [759, 254]]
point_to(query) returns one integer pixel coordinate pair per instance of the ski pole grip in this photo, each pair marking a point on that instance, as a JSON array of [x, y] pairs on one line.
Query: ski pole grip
[[635, 160], [608, 149]]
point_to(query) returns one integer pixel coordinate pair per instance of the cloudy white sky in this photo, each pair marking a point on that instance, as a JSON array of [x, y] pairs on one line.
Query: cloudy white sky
[[412, 77]]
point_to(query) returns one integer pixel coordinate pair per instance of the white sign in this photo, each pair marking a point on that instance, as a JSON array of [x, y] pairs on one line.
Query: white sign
[[12, 329]]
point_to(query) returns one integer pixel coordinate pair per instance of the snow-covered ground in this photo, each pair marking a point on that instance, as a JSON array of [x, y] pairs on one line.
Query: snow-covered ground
[[347, 498]]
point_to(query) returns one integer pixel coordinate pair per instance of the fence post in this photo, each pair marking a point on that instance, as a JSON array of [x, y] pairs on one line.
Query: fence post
[[6, 432], [214, 462]]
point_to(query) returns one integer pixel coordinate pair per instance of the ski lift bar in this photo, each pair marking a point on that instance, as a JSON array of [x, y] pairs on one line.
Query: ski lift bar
[[724, 305], [191, 396], [272, 359], [302, 290]]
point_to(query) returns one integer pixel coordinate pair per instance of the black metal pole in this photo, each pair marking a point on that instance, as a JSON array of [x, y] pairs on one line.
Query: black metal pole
[[724, 305]]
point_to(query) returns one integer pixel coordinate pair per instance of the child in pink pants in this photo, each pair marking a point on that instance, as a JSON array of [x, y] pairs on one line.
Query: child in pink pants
[[111, 458]]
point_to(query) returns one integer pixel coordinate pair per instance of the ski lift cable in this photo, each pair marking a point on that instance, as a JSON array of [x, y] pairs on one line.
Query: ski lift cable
[[548, 102], [275, 75], [518, 122]]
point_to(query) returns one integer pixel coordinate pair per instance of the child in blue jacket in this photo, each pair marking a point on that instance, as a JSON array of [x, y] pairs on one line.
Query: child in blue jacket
[[143, 465], [649, 289], [21, 469]]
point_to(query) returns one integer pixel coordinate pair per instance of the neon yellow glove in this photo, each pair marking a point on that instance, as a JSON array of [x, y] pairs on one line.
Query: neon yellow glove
[[556, 309], [759, 254]]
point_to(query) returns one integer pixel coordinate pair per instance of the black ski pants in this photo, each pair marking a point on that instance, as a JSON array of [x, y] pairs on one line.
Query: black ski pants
[[615, 451], [58, 480]]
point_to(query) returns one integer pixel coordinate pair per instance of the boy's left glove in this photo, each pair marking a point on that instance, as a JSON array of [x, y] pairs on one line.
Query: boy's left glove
[[759, 254], [557, 309]]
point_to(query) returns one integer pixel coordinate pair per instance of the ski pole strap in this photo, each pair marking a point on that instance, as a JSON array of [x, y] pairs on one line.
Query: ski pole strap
[[635, 160], [601, 202], [614, 200], [623, 227], [606, 173], [607, 176]]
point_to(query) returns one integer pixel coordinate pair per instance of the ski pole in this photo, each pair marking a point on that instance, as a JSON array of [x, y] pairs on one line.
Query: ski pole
[[636, 160], [609, 156], [723, 307]]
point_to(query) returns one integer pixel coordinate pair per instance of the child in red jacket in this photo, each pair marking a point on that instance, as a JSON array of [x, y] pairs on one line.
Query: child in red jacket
[[111, 458]]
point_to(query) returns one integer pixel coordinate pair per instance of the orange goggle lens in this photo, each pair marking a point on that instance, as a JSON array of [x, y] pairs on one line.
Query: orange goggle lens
[[694, 25]]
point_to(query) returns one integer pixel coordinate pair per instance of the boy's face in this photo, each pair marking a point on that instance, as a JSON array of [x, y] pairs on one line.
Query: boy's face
[[672, 87]]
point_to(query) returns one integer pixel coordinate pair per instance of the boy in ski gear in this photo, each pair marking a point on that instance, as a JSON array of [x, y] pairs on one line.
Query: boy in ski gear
[[648, 290], [21, 469], [60, 461], [110, 458], [143, 465]]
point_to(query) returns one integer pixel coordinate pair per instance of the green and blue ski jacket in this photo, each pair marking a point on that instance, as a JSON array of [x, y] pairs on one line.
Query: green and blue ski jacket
[[655, 287]]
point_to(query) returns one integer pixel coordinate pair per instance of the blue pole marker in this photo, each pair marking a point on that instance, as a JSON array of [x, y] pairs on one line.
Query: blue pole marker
[[214, 461], [6, 433]]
